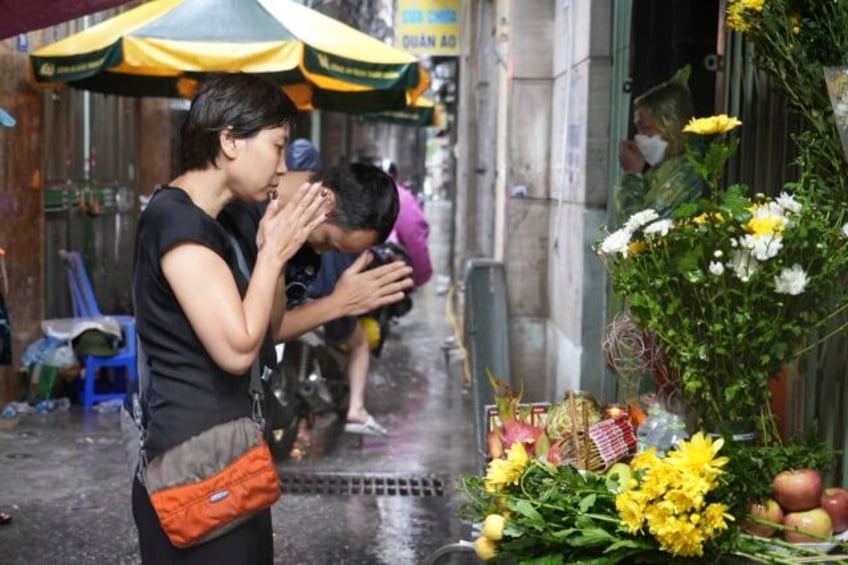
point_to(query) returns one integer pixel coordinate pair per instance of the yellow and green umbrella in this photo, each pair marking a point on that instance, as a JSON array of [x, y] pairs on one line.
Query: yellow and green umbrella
[[163, 47], [421, 113]]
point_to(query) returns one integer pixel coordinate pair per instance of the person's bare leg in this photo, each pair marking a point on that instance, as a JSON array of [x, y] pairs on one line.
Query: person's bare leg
[[358, 363]]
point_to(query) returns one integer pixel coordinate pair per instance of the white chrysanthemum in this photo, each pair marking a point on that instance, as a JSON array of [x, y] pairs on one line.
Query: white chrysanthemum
[[775, 214], [788, 203], [639, 219], [660, 227], [716, 268], [616, 242], [718, 253], [743, 264], [763, 247], [845, 230], [791, 281]]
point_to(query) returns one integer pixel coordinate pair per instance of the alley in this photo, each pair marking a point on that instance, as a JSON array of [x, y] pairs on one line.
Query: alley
[[65, 481]]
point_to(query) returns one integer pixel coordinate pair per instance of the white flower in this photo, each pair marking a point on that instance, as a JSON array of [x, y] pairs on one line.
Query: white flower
[[734, 242], [718, 253], [639, 219], [743, 264], [788, 203], [791, 281], [716, 268], [763, 247], [659, 227], [616, 242], [845, 230]]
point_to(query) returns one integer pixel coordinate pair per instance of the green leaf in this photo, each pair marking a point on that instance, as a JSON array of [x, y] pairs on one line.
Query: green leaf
[[588, 502], [526, 509], [590, 537], [550, 559]]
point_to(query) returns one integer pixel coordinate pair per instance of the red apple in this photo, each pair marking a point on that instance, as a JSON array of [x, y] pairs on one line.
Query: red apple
[[811, 526], [798, 490], [834, 501], [768, 511]]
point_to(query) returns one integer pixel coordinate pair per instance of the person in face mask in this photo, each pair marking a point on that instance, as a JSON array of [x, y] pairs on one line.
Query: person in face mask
[[659, 116]]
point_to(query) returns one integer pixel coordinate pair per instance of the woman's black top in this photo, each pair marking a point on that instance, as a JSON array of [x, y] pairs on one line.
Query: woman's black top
[[188, 393]]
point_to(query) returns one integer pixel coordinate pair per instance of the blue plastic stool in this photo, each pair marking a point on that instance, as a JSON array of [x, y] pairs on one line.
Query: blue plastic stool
[[85, 306]]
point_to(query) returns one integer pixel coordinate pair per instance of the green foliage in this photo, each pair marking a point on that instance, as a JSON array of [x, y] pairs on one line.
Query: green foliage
[[751, 469], [710, 284], [559, 515], [793, 40]]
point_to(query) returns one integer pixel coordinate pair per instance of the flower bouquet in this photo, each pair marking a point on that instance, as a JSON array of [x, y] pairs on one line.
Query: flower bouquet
[[731, 286], [793, 42], [654, 510]]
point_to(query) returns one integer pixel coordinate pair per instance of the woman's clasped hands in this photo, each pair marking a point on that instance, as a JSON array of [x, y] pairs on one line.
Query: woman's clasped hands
[[285, 226]]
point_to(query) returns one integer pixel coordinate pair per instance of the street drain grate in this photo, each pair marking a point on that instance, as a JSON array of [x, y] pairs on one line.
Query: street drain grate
[[354, 484]]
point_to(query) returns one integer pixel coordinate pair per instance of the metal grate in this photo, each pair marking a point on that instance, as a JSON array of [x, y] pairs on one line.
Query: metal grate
[[356, 484]]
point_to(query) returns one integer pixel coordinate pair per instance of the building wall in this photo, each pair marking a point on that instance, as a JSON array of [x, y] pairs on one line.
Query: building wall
[[476, 133], [526, 186], [42, 171], [534, 105], [579, 170], [21, 220]]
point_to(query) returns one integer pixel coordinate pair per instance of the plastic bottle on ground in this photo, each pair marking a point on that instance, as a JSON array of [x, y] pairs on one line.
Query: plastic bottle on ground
[[14, 409], [45, 406], [63, 404], [109, 406]]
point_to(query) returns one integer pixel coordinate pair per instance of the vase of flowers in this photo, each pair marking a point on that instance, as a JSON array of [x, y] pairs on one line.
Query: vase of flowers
[[732, 285]]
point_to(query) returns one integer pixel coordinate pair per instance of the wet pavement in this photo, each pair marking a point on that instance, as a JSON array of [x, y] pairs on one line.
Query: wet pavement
[[64, 477]]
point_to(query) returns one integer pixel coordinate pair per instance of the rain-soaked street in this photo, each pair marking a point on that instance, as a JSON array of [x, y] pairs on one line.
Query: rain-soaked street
[[65, 480]]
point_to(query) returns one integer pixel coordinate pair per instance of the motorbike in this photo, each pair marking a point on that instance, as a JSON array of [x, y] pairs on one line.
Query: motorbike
[[310, 380]]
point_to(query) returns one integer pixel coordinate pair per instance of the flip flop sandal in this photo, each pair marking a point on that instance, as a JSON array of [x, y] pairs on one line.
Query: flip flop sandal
[[368, 427]]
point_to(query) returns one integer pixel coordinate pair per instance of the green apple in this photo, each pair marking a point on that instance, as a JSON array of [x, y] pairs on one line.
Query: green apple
[[622, 474]]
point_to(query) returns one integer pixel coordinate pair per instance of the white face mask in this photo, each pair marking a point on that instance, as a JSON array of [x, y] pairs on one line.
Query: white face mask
[[651, 147]]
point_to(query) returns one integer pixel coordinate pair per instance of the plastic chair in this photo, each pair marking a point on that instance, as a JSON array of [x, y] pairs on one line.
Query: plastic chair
[[85, 306]]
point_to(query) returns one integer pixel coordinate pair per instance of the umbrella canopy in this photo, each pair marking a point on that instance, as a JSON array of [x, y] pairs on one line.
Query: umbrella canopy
[[162, 47], [422, 113]]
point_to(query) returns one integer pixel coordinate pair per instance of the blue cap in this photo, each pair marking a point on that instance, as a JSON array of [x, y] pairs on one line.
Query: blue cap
[[6, 119], [301, 155]]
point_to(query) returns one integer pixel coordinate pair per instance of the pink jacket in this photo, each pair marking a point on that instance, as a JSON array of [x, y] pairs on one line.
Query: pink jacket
[[412, 231]]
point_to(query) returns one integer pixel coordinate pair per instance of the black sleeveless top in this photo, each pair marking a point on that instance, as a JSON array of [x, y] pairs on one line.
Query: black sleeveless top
[[188, 393]]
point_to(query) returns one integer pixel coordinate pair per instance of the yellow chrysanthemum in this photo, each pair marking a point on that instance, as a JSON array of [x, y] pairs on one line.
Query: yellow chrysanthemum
[[712, 125], [752, 5], [504, 472], [636, 247], [766, 225], [698, 455], [631, 509], [704, 218], [645, 460], [738, 17]]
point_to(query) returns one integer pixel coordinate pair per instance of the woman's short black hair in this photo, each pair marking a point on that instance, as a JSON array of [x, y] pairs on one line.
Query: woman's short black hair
[[245, 103], [366, 198]]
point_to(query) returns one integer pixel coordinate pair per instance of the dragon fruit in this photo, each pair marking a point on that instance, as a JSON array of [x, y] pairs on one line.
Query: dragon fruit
[[516, 423]]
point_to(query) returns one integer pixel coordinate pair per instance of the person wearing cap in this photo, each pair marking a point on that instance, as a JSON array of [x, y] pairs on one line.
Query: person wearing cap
[[331, 284], [339, 272], [659, 116]]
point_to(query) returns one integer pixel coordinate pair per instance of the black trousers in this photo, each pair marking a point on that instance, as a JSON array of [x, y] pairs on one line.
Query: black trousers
[[249, 544]]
